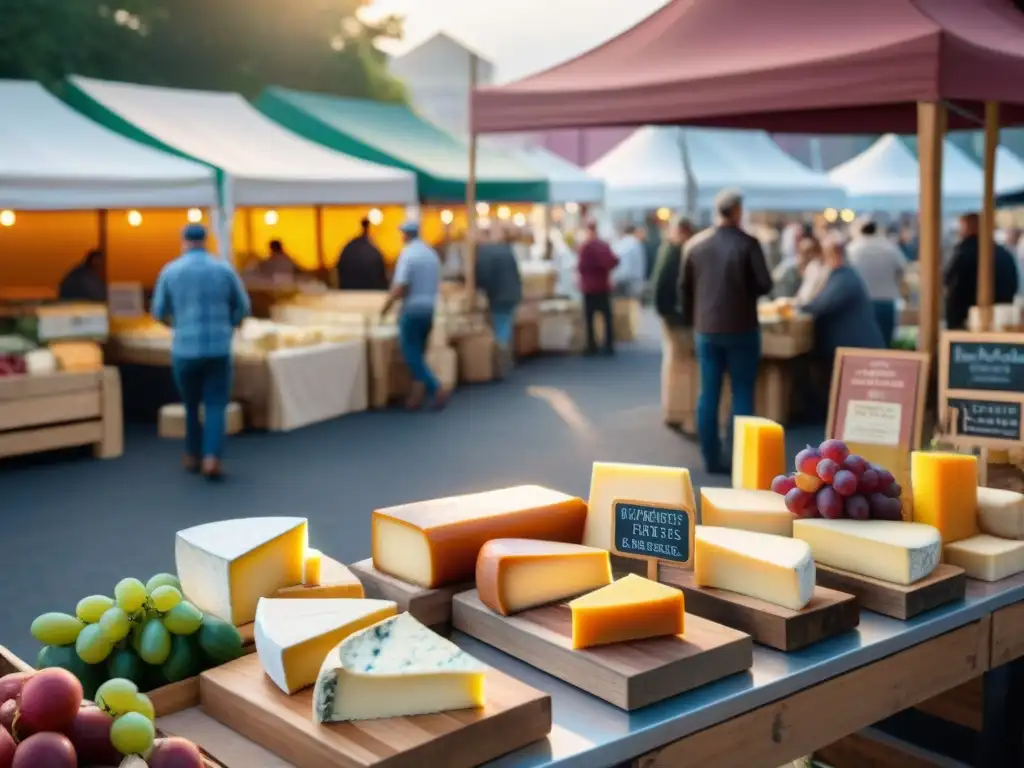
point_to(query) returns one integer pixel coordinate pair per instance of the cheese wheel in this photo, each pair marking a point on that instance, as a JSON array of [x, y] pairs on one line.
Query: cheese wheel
[[435, 543]]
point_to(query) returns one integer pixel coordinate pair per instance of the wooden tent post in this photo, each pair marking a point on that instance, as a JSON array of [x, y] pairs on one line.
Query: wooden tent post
[[469, 262], [986, 236], [931, 132]]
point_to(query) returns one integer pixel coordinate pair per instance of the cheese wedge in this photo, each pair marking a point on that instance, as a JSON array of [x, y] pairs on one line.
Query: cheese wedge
[[758, 452], [396, 668], [1001, 513], [293, 637], [900, 553], [776, 569], [311, 568], [945, 492], [758, 511], [227, 566], [435, 543], [632, 482], [336, 581], [513, 575], [985, 557], [632, 608]]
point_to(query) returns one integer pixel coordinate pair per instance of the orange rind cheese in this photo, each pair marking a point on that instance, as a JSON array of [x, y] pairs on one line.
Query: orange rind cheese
[[632, 608], [758, 452], [514, 575], [435, 543]]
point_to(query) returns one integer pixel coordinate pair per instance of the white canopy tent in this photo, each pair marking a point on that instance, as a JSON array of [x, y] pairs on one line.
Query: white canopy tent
[[649, 170], [264, 164], [885, 178], [52, 158], [1009, 172], [568, 183]]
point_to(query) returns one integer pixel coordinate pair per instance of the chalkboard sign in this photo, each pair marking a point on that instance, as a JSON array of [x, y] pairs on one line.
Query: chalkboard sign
[[985, 366], [653, 531], [987, 418]]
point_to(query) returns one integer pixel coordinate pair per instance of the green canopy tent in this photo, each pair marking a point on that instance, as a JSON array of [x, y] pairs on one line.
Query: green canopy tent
[[392, 134]]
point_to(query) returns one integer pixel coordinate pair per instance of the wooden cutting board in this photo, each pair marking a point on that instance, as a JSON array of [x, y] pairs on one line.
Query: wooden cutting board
[[431, 607], [629, 675], [240, 696], [946, 584]]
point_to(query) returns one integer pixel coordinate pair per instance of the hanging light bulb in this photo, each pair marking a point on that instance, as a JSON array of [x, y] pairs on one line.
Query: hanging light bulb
[[270, 218], [664, 214], [831, 215], [482, 209], [7, 218], [447, 217], [519, 219], [847, 216], [375, 216], [504, 212], [194, 215], [572, 208], [134, 219]]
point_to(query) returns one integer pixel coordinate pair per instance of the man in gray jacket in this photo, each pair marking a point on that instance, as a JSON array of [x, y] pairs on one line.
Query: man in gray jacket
[[497, 275]]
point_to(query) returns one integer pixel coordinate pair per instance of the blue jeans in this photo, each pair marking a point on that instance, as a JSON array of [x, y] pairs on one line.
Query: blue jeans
[[413, 332], [204, 381], [885, 316], [504, 322], [737, 354]]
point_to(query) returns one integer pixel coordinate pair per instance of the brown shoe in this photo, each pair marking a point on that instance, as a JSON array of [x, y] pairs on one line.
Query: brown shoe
[[441, 399], [212, 469], [415, 400], [190, 464]]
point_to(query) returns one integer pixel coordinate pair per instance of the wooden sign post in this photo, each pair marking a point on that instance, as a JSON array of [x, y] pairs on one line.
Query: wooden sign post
[[876, 406], [657, 533]]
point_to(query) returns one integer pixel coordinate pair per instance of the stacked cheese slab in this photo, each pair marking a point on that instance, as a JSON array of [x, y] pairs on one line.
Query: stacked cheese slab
[[997, 552]]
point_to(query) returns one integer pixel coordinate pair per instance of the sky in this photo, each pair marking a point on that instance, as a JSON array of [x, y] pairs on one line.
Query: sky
[[519, 36]]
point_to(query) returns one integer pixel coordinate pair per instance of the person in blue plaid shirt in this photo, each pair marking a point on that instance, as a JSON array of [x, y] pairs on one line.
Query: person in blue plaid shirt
[[202, 298]]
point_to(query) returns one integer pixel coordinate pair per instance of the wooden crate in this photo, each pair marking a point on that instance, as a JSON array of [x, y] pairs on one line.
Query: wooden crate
[[62, 410]]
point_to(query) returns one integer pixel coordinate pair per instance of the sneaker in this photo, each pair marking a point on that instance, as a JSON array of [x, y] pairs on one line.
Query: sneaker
[[212, 468]]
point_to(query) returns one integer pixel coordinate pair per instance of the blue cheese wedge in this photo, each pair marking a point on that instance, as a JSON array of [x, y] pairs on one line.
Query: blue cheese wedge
[[396, 668]]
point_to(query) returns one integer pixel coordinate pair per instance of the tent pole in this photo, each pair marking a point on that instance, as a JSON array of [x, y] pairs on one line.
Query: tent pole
[[469, 264], [318, 223], [250, 238], [986, 237], [931, 132], [103, 238]]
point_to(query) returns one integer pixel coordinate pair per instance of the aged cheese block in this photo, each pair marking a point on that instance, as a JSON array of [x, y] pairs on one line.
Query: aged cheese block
[[1001, 513], [945, 488], [293, 637], [336, 581], [396, 668], [897, 552], [78, 356], [632, 608], [985, 557], [311, 568], [515, 574], [776, 569], [758, 452], [435, 543], [227, 566], [632, 482], [759, 511]]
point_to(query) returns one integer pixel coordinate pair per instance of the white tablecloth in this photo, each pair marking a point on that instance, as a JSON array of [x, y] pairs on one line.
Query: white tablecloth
[[313, 384]]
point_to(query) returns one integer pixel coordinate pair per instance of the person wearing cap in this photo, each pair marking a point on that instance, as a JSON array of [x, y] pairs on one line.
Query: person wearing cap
[[202, 298], [881, 265], [361, 264], [724, 274], [416, 283]]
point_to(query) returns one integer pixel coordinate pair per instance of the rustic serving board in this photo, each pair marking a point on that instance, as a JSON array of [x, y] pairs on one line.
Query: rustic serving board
[[829, 613], [946, 584], [241, 697], [628, 675], [432, 607]]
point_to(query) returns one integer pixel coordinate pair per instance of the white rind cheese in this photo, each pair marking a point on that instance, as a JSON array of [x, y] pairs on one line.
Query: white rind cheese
[[775, 569], [227, 566], [1001, 513], [987, 558], [887, 550], [396, 668]]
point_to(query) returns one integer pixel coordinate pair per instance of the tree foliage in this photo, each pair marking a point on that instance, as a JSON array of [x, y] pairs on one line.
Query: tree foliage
[[234, 45]]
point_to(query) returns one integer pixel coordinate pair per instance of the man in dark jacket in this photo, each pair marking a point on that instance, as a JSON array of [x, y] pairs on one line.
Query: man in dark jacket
[[361, 264], [724, 273], [497, 275], [85, 281], [961, 278], [677, 339]]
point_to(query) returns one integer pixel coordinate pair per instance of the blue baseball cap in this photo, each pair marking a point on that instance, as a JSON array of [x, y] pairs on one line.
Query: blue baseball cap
[[194, 233], [410, 227]]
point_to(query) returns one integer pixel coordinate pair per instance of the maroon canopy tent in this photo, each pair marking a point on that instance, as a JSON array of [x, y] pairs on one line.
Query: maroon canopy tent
[[824, 66]]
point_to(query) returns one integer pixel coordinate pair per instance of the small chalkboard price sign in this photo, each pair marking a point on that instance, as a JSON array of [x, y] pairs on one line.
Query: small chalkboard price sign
[[653, 532], [986, 418]]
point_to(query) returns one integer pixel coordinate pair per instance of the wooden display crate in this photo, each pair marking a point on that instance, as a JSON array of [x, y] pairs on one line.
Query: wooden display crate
[[62, 410]]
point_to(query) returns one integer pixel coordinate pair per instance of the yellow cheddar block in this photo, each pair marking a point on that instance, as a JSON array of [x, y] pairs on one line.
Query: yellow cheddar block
[[78, 356], [336, 581], [945, 493], [632, 608], [632, 482], [758, 452]]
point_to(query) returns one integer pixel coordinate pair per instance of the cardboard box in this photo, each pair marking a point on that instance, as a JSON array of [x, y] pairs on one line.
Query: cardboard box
[[476, 357], [527, 338], [172, 420]]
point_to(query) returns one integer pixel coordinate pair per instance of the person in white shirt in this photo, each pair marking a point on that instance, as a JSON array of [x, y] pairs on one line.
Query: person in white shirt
[[814, 271], [881, 265], [628, 278]]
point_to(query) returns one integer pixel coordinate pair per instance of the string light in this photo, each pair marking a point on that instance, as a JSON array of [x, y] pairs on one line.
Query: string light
[[504, 212], [447, 217], [572, 208], [7, 218], [270, 218], [831, 215], [664, 214], [519, 219], [482, 209], [375, 216], [847, 216], [195, 215], [134, 219]]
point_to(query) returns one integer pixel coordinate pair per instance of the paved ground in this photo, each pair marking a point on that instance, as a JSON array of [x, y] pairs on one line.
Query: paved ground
[[74, 526]]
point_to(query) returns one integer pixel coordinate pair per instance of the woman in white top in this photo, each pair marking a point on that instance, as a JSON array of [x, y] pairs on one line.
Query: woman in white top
[[815, 271]]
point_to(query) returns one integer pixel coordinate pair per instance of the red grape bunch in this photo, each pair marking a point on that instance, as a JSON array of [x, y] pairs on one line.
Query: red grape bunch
[[831, 482]]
